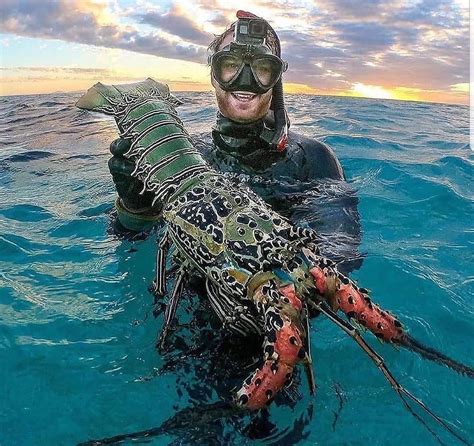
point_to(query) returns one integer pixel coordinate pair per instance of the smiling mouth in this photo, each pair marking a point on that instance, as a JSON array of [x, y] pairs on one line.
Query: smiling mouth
[[244, 96]]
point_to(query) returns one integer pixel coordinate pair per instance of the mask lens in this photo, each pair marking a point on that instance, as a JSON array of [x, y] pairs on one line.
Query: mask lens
[[226, 67], [266, 70]]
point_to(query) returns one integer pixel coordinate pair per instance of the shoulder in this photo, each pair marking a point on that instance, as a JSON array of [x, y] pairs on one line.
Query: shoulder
[[317, 159]]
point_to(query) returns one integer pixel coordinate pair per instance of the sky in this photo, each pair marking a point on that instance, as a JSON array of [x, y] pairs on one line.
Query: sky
[[398, 49]]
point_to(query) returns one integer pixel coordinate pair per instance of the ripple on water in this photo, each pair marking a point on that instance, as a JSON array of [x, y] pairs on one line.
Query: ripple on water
[[31, 155], [77, 333], [26, 213]]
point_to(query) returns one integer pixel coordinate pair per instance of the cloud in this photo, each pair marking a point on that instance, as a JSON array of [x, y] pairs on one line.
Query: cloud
[[420, 72], [177, 22], [60, 70], [463, 87], [51, 71], [220, 20], [375, 43], [15, 75], [353, 9], [329, 44], [438, 13], [82, 21], [365, 37]]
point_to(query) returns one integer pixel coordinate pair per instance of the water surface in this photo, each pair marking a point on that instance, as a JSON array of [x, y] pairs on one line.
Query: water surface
[[76, 330]]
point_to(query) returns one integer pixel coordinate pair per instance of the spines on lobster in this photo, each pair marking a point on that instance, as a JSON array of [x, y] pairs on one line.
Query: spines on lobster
[[165, 159], [283, 346]]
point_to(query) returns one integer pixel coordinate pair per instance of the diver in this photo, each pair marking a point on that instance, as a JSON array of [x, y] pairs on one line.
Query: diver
[[299, 177]]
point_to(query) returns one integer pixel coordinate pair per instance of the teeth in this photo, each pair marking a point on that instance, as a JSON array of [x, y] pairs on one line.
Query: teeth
[[246, 96]]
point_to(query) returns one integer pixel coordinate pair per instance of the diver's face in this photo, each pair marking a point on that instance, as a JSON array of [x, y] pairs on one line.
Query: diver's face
[[241, 106]]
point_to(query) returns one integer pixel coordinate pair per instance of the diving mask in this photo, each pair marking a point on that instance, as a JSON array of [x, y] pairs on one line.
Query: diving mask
[[247, 67]]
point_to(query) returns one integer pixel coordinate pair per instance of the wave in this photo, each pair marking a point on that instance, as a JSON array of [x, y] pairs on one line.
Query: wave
[[77, 321]]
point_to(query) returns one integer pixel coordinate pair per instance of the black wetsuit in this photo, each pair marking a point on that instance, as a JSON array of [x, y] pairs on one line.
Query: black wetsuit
[[305, 182]]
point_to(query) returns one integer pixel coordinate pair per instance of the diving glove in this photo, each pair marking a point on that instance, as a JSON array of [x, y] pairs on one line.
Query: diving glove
[[135, 210]]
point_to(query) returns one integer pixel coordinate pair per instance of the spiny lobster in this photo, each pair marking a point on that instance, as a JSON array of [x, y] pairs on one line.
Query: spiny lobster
[[263, 275]]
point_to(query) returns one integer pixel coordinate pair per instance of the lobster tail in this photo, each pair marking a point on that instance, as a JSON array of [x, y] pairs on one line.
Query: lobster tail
[[165, 159], [433, 355], [100, 98], [110, 99]]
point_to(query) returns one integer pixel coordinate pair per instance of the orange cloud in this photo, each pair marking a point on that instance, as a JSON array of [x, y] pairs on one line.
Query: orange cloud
[[375, 49]]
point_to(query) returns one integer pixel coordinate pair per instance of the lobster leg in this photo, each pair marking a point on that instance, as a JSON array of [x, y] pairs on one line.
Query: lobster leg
[[283, 347], [159, 286], [171, 307], [309, 362], [341, 293], [379, 362]]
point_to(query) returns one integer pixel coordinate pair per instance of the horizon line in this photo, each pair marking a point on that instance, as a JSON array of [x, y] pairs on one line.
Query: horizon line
[[342, 95]]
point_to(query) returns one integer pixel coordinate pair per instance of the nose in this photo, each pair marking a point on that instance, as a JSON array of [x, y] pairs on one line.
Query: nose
[[246, 78]]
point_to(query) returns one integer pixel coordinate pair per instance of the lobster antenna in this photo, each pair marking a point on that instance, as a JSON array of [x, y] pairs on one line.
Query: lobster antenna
[[434, 355], [324, 308], [184, 419]]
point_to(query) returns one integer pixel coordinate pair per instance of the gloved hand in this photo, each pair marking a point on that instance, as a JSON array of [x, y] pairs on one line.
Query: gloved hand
[[128, 187]]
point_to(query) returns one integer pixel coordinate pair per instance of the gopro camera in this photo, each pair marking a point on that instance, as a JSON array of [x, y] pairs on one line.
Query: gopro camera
[[251, 31]]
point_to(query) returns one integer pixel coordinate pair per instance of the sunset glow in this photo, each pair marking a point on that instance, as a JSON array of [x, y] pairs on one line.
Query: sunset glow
[[371, 91], [386, 50]]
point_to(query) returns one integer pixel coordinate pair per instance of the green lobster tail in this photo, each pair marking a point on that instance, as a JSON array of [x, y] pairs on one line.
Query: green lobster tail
[[108, 98], [165, 159]]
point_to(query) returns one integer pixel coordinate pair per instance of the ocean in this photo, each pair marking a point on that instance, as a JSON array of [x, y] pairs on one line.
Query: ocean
[[77, 332]]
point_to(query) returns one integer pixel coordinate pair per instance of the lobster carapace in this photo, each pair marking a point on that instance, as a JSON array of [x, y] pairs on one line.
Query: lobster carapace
[[263, 275]]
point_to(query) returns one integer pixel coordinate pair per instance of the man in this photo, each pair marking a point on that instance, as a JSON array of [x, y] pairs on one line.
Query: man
[[299, 177], [296, 175]]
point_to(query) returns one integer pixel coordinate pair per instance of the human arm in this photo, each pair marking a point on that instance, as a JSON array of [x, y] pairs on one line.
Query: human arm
[[329, 204]]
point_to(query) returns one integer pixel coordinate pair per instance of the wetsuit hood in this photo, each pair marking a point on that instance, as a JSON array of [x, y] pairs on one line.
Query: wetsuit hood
[[231, 136], [228, 127], [248, 54]]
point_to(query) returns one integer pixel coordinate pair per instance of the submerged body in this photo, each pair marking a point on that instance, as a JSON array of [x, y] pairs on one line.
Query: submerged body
[[261, 272]]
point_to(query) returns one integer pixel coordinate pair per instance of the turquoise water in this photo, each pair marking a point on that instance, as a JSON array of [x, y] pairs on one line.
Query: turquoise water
[[76, 330]]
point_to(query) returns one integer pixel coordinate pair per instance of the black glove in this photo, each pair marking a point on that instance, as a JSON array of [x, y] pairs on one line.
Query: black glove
[[128, 187]]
